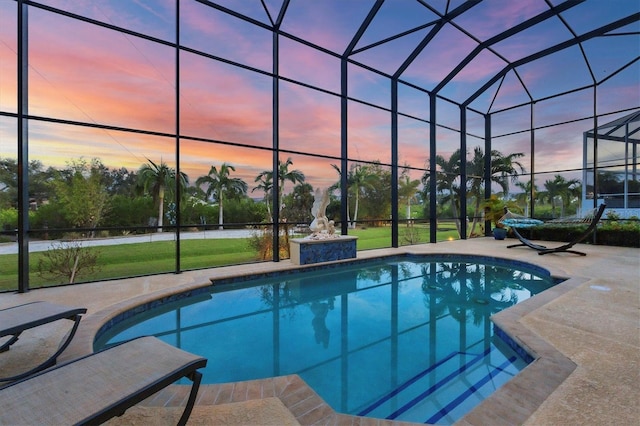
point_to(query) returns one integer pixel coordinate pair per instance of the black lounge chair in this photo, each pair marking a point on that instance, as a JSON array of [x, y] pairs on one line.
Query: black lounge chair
[[512, 221], [15, 320], [97, 387]]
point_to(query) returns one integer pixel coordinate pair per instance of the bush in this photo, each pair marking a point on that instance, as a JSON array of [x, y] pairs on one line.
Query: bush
[[617, 232], [66, 261], [243, 211], [262, 242], [622, 233], [129, 212], [9, 218], [621, 238]]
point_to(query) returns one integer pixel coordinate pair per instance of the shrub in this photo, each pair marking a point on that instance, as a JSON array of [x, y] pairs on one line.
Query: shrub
[[262, 242], [67, 261], [623, 233], [9, 218]]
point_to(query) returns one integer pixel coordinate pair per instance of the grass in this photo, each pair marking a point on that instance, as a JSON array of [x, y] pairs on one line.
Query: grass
[[128, 260]]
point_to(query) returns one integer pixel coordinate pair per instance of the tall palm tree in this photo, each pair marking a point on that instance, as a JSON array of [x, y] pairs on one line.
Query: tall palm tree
[[157, 179], [360, 179], [220, 184], [447, 182], [475, 184], [284, 175], [561, 188], [407, 189], [504, 168], [525, 196], [265, 184]]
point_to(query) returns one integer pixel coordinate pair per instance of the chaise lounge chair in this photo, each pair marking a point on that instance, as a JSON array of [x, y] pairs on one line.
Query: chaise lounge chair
[[511, 220], [100, 386], [15, 320]]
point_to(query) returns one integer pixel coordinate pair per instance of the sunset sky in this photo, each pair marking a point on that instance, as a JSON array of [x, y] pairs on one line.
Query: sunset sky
[[85, 73]]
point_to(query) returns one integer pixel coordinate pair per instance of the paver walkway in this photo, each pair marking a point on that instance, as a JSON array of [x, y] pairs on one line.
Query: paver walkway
[[595, 324]]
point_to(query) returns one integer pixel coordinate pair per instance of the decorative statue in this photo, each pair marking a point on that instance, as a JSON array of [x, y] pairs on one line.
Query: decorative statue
[[321, 227]]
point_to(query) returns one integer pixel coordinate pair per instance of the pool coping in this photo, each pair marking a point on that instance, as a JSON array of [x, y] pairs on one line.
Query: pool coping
[[513, 403]]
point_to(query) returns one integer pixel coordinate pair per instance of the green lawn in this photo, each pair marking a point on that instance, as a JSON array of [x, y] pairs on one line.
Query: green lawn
[[128, 260]]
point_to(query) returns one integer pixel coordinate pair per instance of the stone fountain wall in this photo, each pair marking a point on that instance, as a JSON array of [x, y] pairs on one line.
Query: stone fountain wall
[[305, 251]]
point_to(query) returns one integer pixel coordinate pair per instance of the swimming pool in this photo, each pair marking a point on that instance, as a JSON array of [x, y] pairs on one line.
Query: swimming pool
[[406, 338]]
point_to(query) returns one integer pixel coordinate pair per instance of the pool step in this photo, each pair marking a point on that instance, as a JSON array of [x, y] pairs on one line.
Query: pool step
[[454, 384]]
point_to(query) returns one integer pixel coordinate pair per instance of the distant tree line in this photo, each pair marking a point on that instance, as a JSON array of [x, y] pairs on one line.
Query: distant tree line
[[88, 195]]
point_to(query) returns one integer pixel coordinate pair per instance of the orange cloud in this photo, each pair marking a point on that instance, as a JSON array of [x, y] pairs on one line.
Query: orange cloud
[[96, 75]]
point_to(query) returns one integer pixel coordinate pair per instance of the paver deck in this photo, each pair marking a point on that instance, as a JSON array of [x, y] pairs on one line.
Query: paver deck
[[586, 331]]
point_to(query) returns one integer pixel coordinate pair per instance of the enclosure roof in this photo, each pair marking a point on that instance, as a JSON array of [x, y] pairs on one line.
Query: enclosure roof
[[489, 55], [616, 130]]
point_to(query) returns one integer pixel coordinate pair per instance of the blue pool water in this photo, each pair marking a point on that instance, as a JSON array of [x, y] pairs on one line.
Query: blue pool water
[[406, 338]]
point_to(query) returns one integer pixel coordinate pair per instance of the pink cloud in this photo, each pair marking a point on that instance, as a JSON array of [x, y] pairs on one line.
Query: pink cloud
[[214, 32], [482, 67], [309, 121], [510, 14], [442, 54], [84, 73], [308, 65], [223, 102], [328, 24], [114, 84]]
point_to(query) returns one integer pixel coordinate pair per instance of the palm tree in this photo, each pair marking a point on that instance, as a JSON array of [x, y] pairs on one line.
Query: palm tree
[[527, 188], [504, 168], [407, 190], [157, 179], [447, 178], [266, 185], [561, 188], [220, 184], [360, 179], [284, 174], [475, 184]]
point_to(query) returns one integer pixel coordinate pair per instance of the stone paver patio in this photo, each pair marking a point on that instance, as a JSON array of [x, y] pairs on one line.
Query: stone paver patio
[[585, 332]]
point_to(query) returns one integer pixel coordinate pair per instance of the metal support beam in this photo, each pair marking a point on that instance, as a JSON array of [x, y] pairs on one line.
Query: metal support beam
[[178, 191], [487, 167], [463, 173], [275, 179], [23, 147], [553, 49], [529, 23], [433, 219], [532, 147], [595, 147], [344, 164], [394, 163]]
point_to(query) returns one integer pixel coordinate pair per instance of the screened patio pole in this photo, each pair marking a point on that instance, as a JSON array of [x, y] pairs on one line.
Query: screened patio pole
[[23, 148], [532, 150], [487, 167], [395, 216], [595, 156], [463, 172], [433, 220], [625, 190], [344, 164], [275, 180], [177, 118], [595, 148]]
